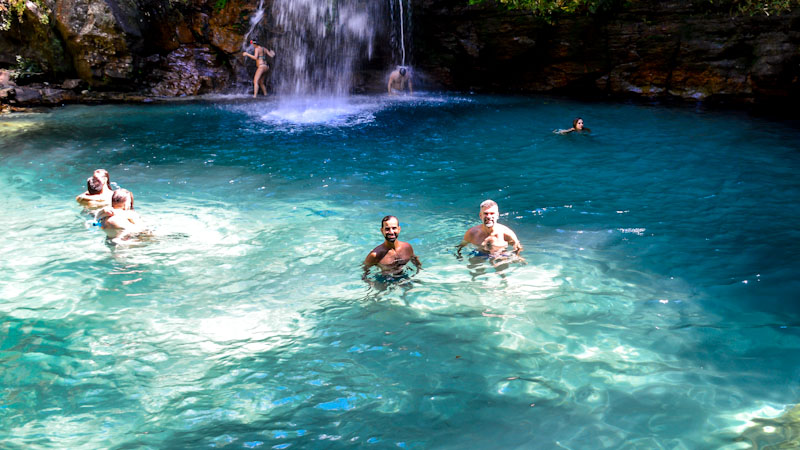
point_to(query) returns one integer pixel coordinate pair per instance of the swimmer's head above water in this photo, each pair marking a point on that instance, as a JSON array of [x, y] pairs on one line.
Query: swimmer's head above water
[[94, 185], [489, 213], [390, 228], [122, 199], [102, 175], [577, 124]]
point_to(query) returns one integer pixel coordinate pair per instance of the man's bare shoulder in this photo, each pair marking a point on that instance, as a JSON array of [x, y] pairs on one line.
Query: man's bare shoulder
[[377, 253], [503, 229], [406, 249]]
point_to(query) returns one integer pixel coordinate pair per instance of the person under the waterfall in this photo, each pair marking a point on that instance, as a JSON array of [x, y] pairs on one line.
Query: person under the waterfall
[[398, 80], [490, 238], [392, 255], [260, 57], [577, 126], [119, 221], [98, 192]]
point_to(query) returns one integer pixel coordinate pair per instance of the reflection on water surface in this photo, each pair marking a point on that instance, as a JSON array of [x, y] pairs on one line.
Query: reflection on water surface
[[655, 309]]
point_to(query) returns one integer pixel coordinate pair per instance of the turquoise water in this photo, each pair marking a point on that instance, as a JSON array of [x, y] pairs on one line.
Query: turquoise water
[[657, 309]]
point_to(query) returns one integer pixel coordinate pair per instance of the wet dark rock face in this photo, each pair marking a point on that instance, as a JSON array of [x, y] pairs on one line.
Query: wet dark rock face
[[124, 50], [650, 49], [189, 71], [130, 50]]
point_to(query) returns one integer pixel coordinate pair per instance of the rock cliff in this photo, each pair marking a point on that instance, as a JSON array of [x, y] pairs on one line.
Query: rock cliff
[[129, 50], [671, 48]]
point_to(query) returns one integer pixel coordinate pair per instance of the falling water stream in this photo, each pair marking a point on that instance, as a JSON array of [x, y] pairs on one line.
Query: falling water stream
[[402, 32], [321, 42]]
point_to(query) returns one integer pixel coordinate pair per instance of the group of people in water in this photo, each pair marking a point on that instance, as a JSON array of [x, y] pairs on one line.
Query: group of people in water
[[491, 240], [114, 212], [113, 209]]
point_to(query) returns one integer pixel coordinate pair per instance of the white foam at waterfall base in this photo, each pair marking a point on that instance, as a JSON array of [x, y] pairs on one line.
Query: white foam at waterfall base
[[332, 111]]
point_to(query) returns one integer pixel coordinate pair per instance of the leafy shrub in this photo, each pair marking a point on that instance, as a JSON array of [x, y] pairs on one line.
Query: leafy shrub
[[549, 8], [11, 8]]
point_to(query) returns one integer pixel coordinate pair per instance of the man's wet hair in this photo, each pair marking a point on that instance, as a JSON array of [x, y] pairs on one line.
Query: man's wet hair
[[383, 221], [488, 204], [121, 196], [105, 174], [94, 185], [403, 71]]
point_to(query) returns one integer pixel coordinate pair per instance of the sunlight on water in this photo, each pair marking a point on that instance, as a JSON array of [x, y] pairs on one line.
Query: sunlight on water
[[654, 309]]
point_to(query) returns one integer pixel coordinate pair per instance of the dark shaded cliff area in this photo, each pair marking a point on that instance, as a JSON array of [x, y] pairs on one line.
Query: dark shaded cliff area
[[135, 50], [650, 49]]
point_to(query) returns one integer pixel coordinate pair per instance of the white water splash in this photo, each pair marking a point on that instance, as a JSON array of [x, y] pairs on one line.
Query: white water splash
[[319, 44]]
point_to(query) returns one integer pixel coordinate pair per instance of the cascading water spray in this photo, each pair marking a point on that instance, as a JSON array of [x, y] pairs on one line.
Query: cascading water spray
[[402, 32], [254, 21], [321, 41]]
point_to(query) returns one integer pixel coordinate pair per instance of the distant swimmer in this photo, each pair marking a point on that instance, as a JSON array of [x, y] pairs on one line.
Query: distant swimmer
[[490, 238], [393, 255], [119, 221], [260, 57], [398, 80], [98, 191], [577, 126]]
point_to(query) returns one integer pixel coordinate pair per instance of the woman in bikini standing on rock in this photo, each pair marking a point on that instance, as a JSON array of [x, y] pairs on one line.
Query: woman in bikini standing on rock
[[260, 57]]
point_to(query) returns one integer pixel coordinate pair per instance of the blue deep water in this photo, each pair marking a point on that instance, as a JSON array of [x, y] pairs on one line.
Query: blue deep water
[[658, 307]]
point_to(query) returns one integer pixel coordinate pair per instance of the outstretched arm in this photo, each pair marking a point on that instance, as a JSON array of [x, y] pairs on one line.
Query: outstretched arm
[[270, 53], [253, 57]]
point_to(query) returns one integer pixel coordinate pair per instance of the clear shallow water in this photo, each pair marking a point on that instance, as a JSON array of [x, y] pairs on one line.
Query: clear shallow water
[[658, 308]]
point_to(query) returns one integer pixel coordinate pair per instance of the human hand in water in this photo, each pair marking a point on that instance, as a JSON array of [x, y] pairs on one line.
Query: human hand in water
[[107, 211]]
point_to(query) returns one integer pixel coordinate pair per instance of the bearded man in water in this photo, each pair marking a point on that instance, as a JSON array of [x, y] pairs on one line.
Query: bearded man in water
[[490, 238], [393, 255]]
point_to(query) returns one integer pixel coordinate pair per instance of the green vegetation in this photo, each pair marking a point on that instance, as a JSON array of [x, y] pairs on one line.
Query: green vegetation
[[220, 4], [754, 7], [549, 8], [16, 8], [25, 67]]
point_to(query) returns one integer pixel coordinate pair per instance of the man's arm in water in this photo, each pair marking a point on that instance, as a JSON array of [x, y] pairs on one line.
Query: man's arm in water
[[511, 238], [414, 258], [464, 242], [410, 86], [389, 86]]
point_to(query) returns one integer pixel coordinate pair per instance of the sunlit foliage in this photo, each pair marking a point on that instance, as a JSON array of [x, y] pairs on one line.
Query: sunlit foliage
[[549, 8], [14, 9]]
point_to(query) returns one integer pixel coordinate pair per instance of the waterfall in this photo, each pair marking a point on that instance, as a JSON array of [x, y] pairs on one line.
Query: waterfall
[[254, 21], [400, 16], [320, 42], [402, 32]]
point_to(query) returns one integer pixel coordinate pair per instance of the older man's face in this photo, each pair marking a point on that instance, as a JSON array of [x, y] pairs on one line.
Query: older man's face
[[489, 216]]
